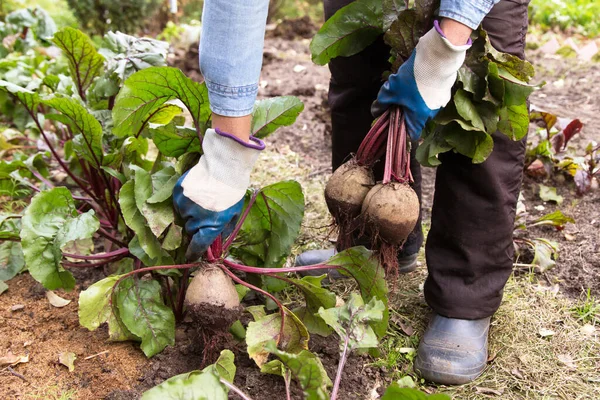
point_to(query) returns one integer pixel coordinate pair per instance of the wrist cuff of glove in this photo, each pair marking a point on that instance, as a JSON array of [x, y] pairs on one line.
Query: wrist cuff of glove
[[222, 176], [254, 143]]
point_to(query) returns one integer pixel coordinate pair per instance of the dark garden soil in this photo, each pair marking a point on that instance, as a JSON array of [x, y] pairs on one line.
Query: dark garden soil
[[120, 370]]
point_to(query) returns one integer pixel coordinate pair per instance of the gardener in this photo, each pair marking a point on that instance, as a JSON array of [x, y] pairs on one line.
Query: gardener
[[469, 247]]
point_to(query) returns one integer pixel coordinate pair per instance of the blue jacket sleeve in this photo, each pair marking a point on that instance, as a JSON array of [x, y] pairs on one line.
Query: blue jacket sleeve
[[470, 13]]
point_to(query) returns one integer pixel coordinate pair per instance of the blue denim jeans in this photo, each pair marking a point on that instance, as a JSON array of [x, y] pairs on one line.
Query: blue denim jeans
[[232, 40], [231, 48]]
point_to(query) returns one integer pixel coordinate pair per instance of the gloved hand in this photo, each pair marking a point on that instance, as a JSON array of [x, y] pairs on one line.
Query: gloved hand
[[210, 196], [423, 84]]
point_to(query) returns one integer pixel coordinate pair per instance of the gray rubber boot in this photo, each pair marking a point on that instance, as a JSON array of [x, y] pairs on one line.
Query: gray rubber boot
[[453, 351], [311, 257]]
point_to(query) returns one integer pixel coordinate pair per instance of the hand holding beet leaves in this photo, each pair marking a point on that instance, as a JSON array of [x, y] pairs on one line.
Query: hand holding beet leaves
[[489, 94]]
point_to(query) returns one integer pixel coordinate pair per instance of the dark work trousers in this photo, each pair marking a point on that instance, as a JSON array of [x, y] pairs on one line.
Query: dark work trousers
[[469, 248]]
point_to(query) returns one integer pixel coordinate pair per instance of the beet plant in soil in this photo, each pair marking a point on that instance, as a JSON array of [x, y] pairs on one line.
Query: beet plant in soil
[[351, 321], [489, 95], [550, 156]]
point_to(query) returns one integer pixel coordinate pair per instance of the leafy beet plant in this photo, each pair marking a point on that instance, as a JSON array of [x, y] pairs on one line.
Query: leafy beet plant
[[112, 125], [352, 321], [490, 92], [549, 152]]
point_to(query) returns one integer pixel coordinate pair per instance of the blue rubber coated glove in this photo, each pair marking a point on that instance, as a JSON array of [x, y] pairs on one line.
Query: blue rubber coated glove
[[210, 196], [423, 84]]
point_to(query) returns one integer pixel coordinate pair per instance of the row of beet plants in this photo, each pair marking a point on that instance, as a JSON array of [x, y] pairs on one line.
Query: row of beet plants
[[115, 129]]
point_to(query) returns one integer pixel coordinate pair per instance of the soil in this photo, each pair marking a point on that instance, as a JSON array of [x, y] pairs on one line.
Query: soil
[[120, 371], [571, 91], [43, 332]]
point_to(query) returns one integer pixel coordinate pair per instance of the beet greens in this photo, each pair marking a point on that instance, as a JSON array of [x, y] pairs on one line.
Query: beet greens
[[490, 91]]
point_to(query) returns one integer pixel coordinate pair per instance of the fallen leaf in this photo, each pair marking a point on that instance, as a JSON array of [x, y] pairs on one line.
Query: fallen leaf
[[517, 372], [588, 330], [545, 332], [548, 193], [67, 359], [407, 329], [406, 382], [56, 300], [12, 359], [17, 307], [553, 290], [567, 361], [484, 390], [569, 237], [299, 68]]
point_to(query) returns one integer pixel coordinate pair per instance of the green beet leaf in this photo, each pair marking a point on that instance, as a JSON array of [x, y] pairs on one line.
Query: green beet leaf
[[95, 309], [145, 315], [85, 63], [3, 287], [316, 297], [548, 193], [87, 142], [136, 221], [359, 263], [165, 114], [175, 141], [272, 225], [467, 110], [514, 121], [545, 254], [426, 10], [271, 114], [163, 182], [305, 367], [224, 367], [126, 55], [146, 92], [404, 34], [395, 392], [391, 9], [12, 261], [266, 329], [49, 224], [351, 322], [173, 237], [474, 144], [29, 99], [556, 218], [350, 30], [194, 385], [431, 147], [163, 258]]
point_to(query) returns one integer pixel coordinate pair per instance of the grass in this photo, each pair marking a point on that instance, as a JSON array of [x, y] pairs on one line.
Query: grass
[[52, 392], [579, 16], [523, 364], [588, 309]]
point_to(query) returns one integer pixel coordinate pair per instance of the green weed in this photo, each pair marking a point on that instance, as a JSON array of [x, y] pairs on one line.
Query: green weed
[[588, 309]]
